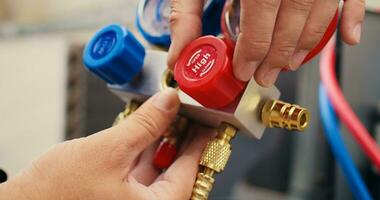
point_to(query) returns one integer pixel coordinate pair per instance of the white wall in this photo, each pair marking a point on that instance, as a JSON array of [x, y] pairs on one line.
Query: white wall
[[32, 98], [40, 11]]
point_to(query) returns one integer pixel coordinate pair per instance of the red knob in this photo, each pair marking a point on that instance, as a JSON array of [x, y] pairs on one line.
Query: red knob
[[204, 72], [165, 154]]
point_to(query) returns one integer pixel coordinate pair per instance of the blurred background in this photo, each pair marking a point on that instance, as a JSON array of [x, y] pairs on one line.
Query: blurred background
[[46, 96]]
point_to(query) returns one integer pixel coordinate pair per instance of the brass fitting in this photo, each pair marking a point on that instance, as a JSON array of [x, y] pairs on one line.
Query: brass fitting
[[167, 80], [129, 109], [279, 114], [214, 158]]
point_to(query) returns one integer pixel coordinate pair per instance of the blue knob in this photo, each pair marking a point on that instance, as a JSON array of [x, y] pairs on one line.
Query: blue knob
[[114, 55]]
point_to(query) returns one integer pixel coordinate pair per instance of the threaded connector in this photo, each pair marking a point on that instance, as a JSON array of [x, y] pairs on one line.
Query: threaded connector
[[217, 152], [203, 185], [279, 114], [214, 159]]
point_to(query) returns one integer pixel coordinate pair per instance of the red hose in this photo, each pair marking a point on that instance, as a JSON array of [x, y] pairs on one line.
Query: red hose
[[342, 107]]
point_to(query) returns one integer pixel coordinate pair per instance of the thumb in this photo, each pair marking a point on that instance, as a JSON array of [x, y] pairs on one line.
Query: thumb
[[146, 124], [185, 25]]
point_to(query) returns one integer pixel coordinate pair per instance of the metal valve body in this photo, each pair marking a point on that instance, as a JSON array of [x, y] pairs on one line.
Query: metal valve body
[[249, 111], [244, 114]]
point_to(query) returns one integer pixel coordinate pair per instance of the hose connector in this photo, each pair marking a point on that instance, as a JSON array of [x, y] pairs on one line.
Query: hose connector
[[213, 160], [279, 114]]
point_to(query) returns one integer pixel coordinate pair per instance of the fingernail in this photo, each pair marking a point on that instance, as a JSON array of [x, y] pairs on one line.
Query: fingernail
[[297, 59], [166, 100], [245, 72], [270, 77], [357, 32]]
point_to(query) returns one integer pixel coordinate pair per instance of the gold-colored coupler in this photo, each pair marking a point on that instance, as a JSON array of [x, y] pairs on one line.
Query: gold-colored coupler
[[279, 114], [214, 158]]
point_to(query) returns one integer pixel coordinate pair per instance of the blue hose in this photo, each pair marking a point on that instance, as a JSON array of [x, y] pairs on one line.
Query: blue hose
[[333, 135]]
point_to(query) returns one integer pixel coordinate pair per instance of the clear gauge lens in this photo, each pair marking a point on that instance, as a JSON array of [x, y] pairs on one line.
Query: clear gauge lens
[[156, 14]]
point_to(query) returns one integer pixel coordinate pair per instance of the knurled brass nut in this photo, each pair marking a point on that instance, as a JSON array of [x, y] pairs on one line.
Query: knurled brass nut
[[216, 155]]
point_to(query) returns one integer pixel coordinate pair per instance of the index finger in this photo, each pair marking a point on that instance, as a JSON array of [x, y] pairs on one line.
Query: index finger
[[258, 19], [185, 26]]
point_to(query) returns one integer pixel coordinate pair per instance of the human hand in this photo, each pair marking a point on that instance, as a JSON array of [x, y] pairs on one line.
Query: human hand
[[273, 33], [115, 163]]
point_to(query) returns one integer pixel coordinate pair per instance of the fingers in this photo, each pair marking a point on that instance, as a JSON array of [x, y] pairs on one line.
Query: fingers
[[258, 18], [352, 18], [321, 15], [177, 182], [130, 137], [144, 172], [290, 22], [185, 25]]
